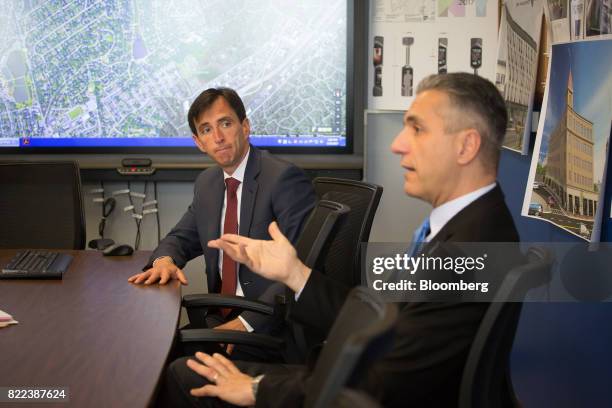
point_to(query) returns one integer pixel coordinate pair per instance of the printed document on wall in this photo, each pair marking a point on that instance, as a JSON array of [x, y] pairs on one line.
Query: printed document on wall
[[411, 39]]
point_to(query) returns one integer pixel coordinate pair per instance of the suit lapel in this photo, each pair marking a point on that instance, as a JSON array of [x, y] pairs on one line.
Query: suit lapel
[[249, 191]]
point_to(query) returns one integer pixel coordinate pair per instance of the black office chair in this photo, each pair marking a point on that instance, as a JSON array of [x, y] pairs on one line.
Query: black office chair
[[41, 205], [343, 259], [362, 333], [343, 262], [318, 230], [340, 259], [486, 378]]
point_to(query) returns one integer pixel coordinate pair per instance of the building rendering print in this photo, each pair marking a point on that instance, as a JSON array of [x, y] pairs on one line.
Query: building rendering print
[[515, 76], [569, 157]]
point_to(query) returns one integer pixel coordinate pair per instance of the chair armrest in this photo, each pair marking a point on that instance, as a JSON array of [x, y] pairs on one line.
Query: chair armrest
[[226, 301], [230, 337]]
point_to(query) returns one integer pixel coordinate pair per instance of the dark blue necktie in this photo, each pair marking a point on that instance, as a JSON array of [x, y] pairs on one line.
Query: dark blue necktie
[[418, 238]]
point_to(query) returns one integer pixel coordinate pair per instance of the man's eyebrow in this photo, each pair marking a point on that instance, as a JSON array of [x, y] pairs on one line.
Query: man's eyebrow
[[221, 119], [224, 118], [412, 120]]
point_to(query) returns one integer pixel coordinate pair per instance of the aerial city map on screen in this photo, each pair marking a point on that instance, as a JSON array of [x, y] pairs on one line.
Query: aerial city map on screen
[[123, 73]]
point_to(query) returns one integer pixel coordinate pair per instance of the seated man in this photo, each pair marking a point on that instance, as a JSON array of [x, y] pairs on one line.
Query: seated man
[[246, 191], [450, 148]]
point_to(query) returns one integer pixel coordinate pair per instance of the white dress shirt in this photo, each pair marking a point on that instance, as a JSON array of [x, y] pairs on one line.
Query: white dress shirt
[[441, 215]]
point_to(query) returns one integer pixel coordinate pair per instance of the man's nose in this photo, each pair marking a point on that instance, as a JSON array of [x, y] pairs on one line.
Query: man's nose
[[218, 136], [399, 144]]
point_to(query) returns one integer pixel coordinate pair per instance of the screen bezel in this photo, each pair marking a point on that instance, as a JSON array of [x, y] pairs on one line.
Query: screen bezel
[[354, 21]]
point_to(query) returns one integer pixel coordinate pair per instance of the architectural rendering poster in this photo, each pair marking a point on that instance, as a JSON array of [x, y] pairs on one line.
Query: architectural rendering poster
[[558, 16], [567, 169], [411, 39], [517, 63], [598, 17]]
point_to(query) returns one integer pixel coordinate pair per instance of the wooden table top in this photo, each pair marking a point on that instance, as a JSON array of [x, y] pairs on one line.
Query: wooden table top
[[105, 339]]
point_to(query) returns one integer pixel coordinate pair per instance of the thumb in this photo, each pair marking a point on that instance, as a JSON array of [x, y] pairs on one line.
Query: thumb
[[276, 233]]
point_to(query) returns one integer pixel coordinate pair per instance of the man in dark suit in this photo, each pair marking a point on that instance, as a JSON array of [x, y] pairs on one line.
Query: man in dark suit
[[449, 147], [246, 191]]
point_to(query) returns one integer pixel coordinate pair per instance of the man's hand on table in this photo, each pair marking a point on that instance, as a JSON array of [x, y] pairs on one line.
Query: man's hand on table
[[162, 271]]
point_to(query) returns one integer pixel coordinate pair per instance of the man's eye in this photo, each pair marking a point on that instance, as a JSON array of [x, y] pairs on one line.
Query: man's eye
[[226, 123], [416, 129], [205, 130]]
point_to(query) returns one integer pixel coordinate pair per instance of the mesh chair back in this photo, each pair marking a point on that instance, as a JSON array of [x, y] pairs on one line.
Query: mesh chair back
[[362, 332], [317, 231], [41, 205], [486, 378], [343, 260]]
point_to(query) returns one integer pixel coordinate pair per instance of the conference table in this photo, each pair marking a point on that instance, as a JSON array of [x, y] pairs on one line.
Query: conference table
[[103, 339]]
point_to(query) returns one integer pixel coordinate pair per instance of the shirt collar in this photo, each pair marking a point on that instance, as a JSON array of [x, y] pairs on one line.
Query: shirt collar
[[239, 172], [441, 215]]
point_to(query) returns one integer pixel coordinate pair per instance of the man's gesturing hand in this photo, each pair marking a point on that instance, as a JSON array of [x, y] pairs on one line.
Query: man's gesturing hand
[[275, 259], [162, 271], [228, 383]]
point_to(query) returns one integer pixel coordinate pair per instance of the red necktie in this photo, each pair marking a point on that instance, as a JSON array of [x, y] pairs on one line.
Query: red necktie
[[230, 226]]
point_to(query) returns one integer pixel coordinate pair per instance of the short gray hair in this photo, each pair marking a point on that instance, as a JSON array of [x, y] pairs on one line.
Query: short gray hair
[[477, 104]]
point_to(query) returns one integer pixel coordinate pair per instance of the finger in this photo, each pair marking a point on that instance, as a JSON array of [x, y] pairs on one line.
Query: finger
[[133, 277], [181, 277], [164, 277], [142, 277], [153, 277], [213, 363], [205, 391], [229, 349], [276, 233], [203, 370], [236, 239], [243, 253], [227, 364], [214, 243], [230, 249]]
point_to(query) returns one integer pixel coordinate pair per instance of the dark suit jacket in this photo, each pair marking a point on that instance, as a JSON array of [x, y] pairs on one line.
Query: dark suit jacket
[[273, 190], [424, 367]]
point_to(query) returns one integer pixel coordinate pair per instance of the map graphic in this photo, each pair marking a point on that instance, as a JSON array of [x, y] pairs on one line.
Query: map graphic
[[87, 68]]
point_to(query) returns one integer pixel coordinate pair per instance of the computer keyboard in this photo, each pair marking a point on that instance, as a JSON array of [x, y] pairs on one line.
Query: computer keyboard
[[36, 264]]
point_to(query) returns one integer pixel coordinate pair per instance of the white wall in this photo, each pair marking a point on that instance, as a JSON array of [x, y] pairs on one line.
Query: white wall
[[398, 215], [173, 200]]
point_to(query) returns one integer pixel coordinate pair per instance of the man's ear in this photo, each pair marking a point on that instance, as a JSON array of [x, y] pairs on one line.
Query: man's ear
[[468, 146], [198, 143], [246, 127]]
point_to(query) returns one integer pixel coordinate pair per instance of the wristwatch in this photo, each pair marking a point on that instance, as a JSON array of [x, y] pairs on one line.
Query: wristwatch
[[255, 385]]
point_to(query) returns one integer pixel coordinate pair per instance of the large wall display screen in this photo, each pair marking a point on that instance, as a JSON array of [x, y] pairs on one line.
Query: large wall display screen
[[117, 74]]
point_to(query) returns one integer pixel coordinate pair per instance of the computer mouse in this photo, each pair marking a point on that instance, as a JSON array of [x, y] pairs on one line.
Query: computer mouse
[[100, 243], [118, 250]]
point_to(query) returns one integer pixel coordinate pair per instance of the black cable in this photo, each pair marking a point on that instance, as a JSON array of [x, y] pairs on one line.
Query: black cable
[[108, 205], [137, 238], [102, 223], [156, 212]]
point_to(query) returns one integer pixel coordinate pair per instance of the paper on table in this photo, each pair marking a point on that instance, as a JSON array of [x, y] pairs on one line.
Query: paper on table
[[6, 319]]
